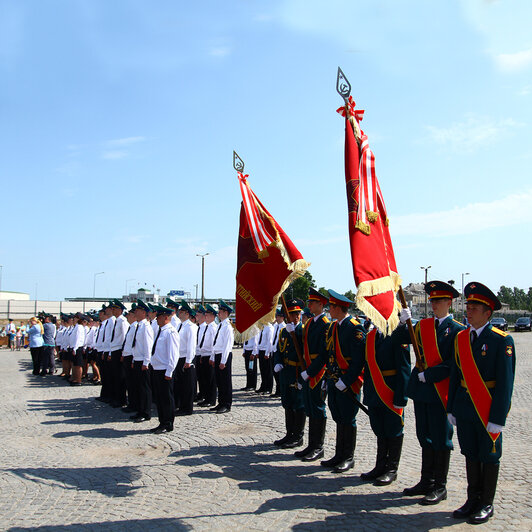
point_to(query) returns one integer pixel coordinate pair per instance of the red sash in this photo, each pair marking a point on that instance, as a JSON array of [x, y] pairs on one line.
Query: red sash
[[431, 351], [384, 392], [343, 364], [306, 354], [479, 393]]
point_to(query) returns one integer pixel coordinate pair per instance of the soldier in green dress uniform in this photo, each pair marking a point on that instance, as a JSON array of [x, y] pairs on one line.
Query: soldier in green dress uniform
[[480, 393]]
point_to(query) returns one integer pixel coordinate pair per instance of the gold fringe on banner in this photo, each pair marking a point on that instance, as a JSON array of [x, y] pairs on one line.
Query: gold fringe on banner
[[361, 226], [372, 216]]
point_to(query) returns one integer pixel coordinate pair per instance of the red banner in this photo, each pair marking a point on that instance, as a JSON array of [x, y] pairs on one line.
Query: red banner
[[262, 274], [372, 254]]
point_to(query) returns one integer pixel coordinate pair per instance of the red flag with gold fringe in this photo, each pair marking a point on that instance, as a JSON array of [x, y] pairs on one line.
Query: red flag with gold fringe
[[267, 262], [372, 255]]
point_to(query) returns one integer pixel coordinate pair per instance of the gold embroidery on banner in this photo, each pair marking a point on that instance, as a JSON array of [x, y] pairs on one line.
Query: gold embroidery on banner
[[248, 298]]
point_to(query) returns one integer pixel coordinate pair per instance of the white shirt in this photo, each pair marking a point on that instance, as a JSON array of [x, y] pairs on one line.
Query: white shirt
[[98, 343], [277, 328], [143, 342], [187, 341], [265, 338], [118, 333], [166, 351], [59, 337], [107, 333], [155, 327], [207, 338], [251, 344], [90, 337], [224, 340], [68, 337], [77, 338], [128, 344], [175, 322]]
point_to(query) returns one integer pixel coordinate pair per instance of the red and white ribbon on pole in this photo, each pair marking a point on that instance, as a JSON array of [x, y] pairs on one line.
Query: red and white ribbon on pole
[[358, 114], [261, 238]]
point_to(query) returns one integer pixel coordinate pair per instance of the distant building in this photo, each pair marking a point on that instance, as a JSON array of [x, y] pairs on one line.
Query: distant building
[[144, 295], [14, 296]]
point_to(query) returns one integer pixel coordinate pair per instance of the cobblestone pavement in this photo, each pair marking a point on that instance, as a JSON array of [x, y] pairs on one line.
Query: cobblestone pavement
[[69, 462]]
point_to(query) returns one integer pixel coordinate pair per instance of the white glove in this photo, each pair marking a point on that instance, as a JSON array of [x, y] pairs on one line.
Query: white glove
[[405, 315], [299, 386], [340, 385], [492, 427], [421, 376], [290, 327], [304, 375], [398, 407], [278, 368], [451, 419]]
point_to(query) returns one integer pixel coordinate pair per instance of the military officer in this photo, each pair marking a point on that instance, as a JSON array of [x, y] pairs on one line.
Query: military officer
[[264, 343], [127, 358], [288, 366], [118, 335], [250, 351], [345, 343], [480, 393], [428, 387], [314, 348]]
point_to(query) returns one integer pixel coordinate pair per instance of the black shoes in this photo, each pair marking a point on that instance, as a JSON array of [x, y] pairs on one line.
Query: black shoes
[[481, 516], [183, 413], [141, 419], [128, 409], [161, 430], [223, 410]]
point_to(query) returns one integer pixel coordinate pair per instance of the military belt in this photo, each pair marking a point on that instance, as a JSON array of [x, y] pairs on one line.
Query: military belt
[[489, 384], [389, 372], [290, 362], [313, 356]]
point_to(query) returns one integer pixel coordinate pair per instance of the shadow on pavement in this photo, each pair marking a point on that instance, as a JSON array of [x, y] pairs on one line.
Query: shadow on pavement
[[169, 523]]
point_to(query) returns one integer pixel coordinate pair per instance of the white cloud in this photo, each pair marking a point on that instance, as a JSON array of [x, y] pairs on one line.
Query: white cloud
[[114, 154], [514, 62], [117, 148], [473, 132], [472, 218], [127, 141], [220, 51]]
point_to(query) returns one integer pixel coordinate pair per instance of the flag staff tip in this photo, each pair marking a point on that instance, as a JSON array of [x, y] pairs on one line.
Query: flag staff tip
[[238, 163], [343, 87]]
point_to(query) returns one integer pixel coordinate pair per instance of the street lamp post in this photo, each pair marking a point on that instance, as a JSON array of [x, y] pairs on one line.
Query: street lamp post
[[463, 303], [426, 268], [202, 276], [94, 284], [1, 268]]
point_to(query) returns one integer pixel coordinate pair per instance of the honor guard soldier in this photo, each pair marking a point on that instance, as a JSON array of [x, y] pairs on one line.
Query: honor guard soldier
[[345, 343], [287, 364], [264, 343], [306, 315], [107, 373], [205, 371], [141, 347], [200, 326], [314, 349], [127, 358], [164, 357], [386, 376], [77, 340], [277, 328], [250, 350], [480, 393], [222, 359], [428, 387], [118, 335]]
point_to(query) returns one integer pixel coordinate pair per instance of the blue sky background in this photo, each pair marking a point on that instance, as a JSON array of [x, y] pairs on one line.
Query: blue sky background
[[119, 120]]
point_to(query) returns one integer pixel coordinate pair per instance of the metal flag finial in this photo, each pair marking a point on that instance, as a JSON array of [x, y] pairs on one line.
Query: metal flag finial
[[343, 87], [238, 163]]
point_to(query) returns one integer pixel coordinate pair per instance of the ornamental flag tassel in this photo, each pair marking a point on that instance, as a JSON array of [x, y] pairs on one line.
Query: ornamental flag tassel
[[372, 254], [267, 263]]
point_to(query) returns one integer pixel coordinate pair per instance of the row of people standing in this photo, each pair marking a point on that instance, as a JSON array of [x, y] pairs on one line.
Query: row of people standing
[[152, 352], [462, 377]]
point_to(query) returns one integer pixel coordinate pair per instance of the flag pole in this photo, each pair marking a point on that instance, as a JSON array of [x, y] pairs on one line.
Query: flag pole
[[343, 87]]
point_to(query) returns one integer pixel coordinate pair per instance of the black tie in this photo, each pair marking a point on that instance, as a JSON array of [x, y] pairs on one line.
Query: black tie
[[474, 336], [99, 329], [436, 323], [197, 335], [180, 325], [135, 336], [105, 327], [155, 343], [113, 335], [260, 337], [217, 333], [125, 336], [203, 339]]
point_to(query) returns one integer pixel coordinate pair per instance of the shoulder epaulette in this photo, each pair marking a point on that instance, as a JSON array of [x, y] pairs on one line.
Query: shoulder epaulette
[[325, 319], [498, 331], [354, 322], [459, 322]]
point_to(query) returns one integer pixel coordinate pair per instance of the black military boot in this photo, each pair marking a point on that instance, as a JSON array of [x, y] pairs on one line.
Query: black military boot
[[474, 490], [427, 474], [337, 458], [349, 440], [380, 463], [296, 438], [490, 474], [317, 430], [308, 448], [392, 463], [441, 468], [289, 422]]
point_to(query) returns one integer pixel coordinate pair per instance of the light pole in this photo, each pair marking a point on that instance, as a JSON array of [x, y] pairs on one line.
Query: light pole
[[463, 304], [1, 268], [94, 284], [426, 268], [202, 276], [127, 281]]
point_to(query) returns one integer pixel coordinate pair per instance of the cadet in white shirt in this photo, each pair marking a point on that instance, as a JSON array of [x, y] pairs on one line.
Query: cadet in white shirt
[[100, 356], [277, 328], [204, 349], [201, 327], [142, 345], [127, 357], [105, 366], [77, 340], [165, 353], [92, 351], [250, 353], [263, 346], [223, 357], [116, 342], [184, 375]]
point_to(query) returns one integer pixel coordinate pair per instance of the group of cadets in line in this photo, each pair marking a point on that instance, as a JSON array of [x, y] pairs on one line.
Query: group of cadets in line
[[152, 353], [462, 377]]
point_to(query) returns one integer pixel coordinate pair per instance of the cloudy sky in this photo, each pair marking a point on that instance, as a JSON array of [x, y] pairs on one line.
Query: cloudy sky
[[119, 120]]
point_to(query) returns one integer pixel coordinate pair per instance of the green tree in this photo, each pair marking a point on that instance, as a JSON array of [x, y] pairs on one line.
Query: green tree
[[506, 295], [520, 299], [323, 291], [298, 288]]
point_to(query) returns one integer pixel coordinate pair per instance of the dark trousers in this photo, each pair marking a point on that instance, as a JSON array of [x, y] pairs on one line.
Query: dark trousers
[[266, 373], [118, 377], [142, 389], [206, 380], [184, 380], [195, 384], [163, 392], [48, 358], [224, 380], [105, 374], [128, 371], [251, 370], [36, 358]]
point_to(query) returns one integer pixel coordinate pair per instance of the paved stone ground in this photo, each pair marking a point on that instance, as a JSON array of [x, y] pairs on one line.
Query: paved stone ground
[[70, 463]]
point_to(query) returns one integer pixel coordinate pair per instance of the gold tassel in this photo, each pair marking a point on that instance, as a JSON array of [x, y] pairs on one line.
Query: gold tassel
[[361, 226], [372, 216]]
